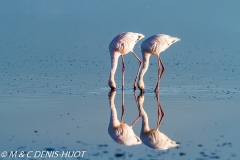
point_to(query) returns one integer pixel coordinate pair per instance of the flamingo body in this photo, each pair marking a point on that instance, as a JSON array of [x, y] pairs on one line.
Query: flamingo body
[[119, 46], [124, 42], [123, 134], [157, 43], [157, 140]]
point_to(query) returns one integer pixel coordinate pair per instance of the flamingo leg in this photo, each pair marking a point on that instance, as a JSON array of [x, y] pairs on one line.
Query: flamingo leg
[[160, 112], [139, 116], [137, 101], [122, 105], [160, 72], [140, 64], [134, 93], [163, 68], [123, 69]]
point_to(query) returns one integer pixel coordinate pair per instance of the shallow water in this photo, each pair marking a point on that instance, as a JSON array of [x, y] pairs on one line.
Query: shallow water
[[54, 68]]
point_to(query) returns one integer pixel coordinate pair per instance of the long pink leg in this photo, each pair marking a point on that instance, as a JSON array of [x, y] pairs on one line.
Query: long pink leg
[[140, 64], [123, 69], [134, 94], [139, 116], [160, 72], [160, 111], [163, 68], [122, 105]]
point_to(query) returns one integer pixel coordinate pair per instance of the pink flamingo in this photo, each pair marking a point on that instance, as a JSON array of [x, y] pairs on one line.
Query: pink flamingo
[[154, 45], [119, 46]]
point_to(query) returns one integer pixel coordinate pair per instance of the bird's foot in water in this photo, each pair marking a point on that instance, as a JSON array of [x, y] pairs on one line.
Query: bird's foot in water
[[142, 91], [113, 88]]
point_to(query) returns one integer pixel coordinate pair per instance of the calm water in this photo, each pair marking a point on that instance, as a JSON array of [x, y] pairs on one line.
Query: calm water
[[54, 68]]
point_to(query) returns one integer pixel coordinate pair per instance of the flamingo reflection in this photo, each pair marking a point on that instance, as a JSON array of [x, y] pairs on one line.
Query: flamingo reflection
[[121, 132], [153, 138]]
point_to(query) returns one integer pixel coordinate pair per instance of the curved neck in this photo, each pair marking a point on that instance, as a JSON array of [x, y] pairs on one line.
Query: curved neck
[[146, 57], [114, 122], [145, 126], [114, 61]]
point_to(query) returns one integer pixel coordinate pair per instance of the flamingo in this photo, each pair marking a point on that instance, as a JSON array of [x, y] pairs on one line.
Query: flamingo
[[121, 132], [154, 45], [153, 138], [119, 46]]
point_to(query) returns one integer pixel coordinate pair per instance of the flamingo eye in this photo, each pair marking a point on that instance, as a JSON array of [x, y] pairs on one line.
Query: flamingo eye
[[138, 38]]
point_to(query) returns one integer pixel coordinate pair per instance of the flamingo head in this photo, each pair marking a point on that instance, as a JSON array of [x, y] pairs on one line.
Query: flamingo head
[[170, 40], [140, 36], [168, 144], [141, 85], [112, 84]]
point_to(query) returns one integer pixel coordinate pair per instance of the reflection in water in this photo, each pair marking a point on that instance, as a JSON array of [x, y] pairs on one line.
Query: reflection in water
[[153, 138], [121, 132]]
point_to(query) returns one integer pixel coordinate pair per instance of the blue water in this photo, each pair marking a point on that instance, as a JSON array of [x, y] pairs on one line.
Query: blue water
[[54, 68]]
